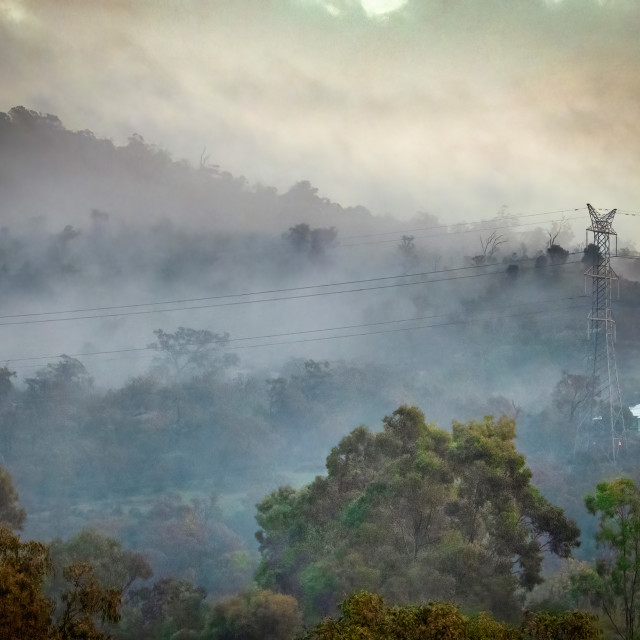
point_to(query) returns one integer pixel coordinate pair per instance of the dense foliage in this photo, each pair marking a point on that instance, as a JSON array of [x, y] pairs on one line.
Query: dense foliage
[[612, 585], [366, 617], [414, 513]]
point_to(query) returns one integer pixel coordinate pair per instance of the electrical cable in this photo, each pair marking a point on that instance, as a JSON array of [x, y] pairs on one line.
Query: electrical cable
[[371, 333], [294, 333], [438, 235], [338, 246], [457, 224], [256, 293], [244, 294]]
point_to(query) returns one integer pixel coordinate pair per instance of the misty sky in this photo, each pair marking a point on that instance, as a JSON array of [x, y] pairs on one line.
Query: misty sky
[[455, 107]]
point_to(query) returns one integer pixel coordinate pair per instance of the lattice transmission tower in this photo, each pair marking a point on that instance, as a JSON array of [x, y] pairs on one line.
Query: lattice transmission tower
[[602, 428]]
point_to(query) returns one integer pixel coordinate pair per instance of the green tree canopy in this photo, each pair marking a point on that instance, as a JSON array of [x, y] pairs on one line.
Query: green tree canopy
[[192, 350], [113, 567], [85, 606], [365, 616], [613, 585], [24, 611], [414, 513], [255, 615], [11, 515], [171, 608]]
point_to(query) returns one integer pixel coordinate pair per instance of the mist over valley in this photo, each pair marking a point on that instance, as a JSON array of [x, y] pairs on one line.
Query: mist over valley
[[358, 374]]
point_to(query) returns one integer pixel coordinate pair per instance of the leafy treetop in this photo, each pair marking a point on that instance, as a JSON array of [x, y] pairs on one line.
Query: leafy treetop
[[414, 513]]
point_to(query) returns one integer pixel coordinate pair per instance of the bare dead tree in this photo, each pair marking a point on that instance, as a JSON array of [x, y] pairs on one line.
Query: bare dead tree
[[205, 165], [491, 244], [556, 230]]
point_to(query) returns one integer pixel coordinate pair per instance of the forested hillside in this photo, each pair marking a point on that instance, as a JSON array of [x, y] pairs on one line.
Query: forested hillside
[[178, 344]]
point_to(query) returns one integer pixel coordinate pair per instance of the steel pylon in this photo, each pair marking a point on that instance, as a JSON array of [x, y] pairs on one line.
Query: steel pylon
[[602, 428]]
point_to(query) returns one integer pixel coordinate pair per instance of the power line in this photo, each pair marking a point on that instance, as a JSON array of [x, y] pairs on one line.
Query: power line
[[367, 333], [472, 230], [457, 224], [244, 294], [256, 293], [254, 251], [371, 333], [309, 331]]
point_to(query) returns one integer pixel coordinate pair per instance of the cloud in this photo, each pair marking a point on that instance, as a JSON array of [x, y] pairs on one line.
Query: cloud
[[382, 7], [457, 108]]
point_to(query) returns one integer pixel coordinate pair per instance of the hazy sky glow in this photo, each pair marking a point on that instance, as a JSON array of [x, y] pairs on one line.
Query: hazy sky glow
[[456, 108]]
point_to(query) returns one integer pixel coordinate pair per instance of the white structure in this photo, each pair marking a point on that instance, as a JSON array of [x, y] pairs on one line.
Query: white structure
[[636, 414]]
